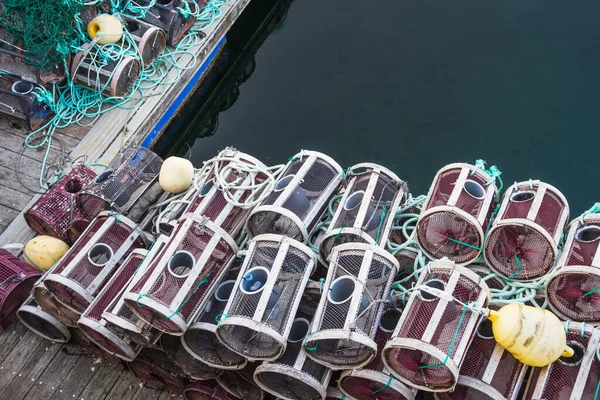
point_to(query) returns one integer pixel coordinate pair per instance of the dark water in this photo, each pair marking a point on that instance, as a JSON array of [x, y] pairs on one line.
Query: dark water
[[414, 85]]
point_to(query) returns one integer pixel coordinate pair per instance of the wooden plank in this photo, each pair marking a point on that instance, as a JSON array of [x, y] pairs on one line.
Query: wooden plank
[[125, 388], [18, 358], [48, 383], [148, 393], [103, 381], [25, 379], [10, 338], [9, 159], [8, 178], [77, 380], [13, 199], [15, 141]]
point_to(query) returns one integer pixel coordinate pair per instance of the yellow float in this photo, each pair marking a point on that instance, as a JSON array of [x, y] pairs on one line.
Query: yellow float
[[42, 252], [107, 27]]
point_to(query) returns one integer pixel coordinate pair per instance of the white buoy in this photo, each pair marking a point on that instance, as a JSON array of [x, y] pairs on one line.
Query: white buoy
[[176, 175]]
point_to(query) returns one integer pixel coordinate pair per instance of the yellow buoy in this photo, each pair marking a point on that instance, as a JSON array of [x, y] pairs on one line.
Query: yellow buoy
[[42, 252], [176, 175], [108, 28], [534, 336]]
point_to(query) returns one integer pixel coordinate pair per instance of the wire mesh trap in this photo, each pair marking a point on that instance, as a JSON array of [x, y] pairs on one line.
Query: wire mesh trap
[[299, 197], [56, 210], [429, 343], [239, 387], [168, 15], [358, 280], [155, 370], [19, 101], [42, 323], [16, 280], [200, 338], [374, 381], [91, 348], [367, 208], [489, 371], [191, 367], [150, 40], [574, 377], [457, 210], [260, 312], [572, 289], [49, 304], [522, 243], [206, 390], [177, 283], [128, 185], [88, 265], [294, 376]]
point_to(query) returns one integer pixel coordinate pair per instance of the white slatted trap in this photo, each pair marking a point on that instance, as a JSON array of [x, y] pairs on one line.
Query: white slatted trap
[[299, 197], [366, 211], [294, 376], [489, 371], [91, 261], [177, 283], [374, 381], [358, 280], [333, 393], [192, 368], [42, 323], [522, 243], [456, 213], [49, 304], [260, 312], [573, 378], [572, 290], [200, 338], [99, 330], [429, 344], [240, 385]]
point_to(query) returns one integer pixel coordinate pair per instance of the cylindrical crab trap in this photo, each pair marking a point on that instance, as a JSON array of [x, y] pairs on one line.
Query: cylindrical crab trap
[[86, 344], [128, 185], [49, 304], [572, 290], [522, 243], [192, 368], [42, 323], [19, 100], [54, 212], [88, 265], [239, 387], [177, 283], [16, 280], [168, 15], [150, 40], [374, 381], [200, 338], [429, 343], [333, 393], [457, 210], [206, 390], [359, 278], [488, 372], [114, 77], [366, 211], [299, 197], [159, 376], [294, 376], [260, 312], [573, 377], [102, 332]]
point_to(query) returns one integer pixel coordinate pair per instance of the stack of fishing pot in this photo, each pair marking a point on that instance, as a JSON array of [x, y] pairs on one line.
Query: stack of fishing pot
[[150, 40], [200, 338], [20, 100], [299, 197], [169, 16], [572, 290], [153, 367], [192, 368], [366, 210], [86, 344], [55, 213], [574, 377], [345, 324], [522, 243], [429, 344], [402, 236], [260, 312], [16, 280], [169, 293], [374, 381], [82, 273], [128, 185], [49, 304], [457, 210], [293, 375]]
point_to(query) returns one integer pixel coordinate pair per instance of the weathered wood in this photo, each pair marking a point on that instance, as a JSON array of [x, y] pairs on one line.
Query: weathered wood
[[77, 380], [126, 387], [13, 199], [48, 383], [103, 381], [8, 178], [10, 338], [148, 393], [17, 358]]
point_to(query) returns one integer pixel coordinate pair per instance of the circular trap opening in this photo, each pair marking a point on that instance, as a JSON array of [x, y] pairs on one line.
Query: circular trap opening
[[484, 330], [22, 87], [341, 290], [73, 186], [578, 353], [474, 189], [522, 196], [206, 188], [389, 319], [100, 254], [224, 290], [254, 280], [132, 26], [434, 283], [299, 330], [588, 234], [354, 200], [181, 264], [283, 183]]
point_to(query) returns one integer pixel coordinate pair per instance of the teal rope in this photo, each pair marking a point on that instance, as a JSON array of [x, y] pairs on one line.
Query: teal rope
[[594, 290], [465, 244], [389, 382], [567, 323], [306, 341], [383, 214], [597, 391], [519, 268], [219, 318], [451, 343]]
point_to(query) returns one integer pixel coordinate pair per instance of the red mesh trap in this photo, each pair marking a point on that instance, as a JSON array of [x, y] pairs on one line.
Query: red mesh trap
[[522, 242], [89, 346], [428, 346], [367, 208], [239, 387], [16, 280], [457, 210], [206, 390], [56, 210], [153, 369], [299, 197], [49, 304], [192, 368], [89, 264], [573, 289]]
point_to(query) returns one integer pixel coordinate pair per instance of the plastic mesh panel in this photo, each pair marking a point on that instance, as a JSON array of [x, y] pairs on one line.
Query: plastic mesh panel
[[443, 188], [463, 393], [566, 293], [193, 368], [550, 213], [268, 221]]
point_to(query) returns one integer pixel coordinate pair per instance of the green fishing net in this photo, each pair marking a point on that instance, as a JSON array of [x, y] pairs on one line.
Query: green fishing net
[[43, 28]]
